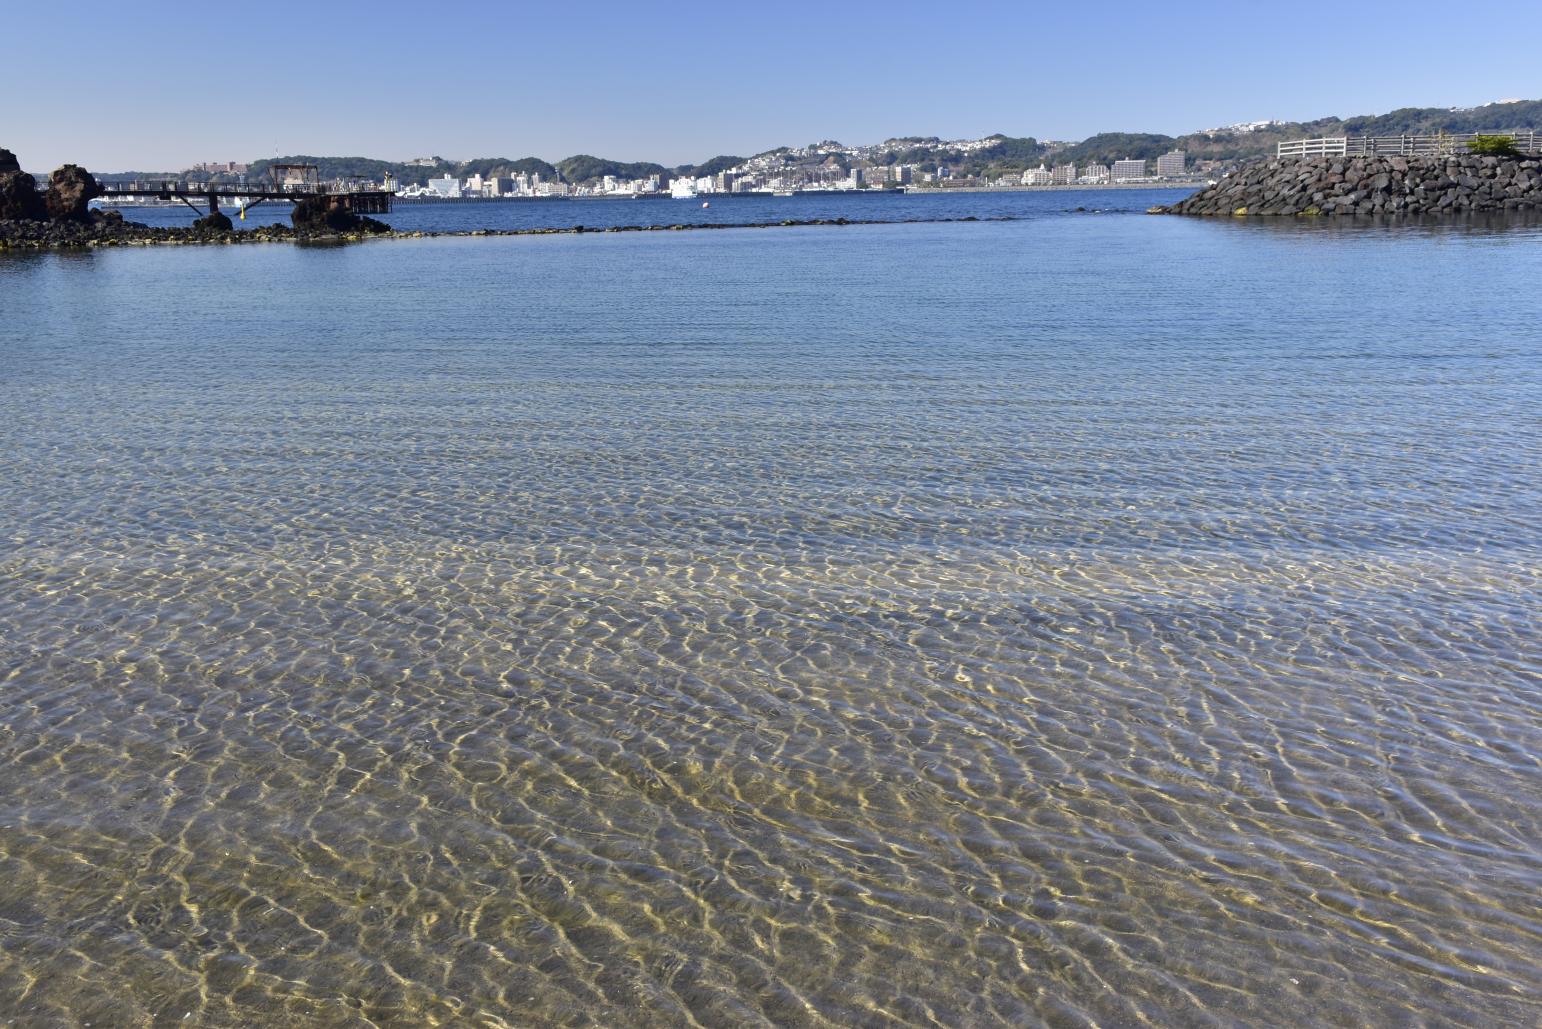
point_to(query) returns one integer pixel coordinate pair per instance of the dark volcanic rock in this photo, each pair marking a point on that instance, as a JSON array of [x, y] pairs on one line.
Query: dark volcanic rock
[[70, 189], [314, 215], [19, 198], [1373, 185], [108, 229], [214, 222]]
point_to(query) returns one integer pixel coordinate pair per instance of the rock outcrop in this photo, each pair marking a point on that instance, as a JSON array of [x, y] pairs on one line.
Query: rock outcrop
[[1373, 186], [315, 215], [214, 221], [19, 198], [61, 217], [109, 229], [70, 190]]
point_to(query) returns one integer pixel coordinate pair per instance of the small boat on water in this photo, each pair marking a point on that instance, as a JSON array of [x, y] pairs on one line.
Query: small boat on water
[[682, 189]]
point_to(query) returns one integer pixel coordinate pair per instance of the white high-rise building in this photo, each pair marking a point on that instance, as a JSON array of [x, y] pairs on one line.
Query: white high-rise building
[[1128, 169], [1065, 174], [1094, 173], [1040, 176], [447, 187], [1171, 165]]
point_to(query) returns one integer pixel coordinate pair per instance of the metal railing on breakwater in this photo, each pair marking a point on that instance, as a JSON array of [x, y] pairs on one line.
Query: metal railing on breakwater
[[1526, 140]]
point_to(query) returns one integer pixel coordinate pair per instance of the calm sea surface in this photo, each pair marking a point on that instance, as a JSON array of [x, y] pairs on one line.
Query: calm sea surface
[[469, 215], [1087, 619]]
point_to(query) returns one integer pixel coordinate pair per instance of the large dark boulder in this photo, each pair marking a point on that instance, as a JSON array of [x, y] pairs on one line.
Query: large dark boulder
[[19, 198], [70, 190], [214, 221], [314, 214]]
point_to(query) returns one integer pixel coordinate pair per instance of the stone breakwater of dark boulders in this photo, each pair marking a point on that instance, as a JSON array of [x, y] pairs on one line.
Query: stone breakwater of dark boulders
[[110, 230], [1372, 186]]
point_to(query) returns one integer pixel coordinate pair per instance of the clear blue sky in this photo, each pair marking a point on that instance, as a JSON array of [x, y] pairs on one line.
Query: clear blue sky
[[676, 81]]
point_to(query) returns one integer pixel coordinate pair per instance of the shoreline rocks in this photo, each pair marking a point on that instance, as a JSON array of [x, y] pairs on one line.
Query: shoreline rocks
[[214, 221], [70, 192], [316, 215], [110, 230], [1372, 186], [19, 198]]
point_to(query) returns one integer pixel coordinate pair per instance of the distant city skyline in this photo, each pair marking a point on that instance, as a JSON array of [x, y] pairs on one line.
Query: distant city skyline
[[95, 86]]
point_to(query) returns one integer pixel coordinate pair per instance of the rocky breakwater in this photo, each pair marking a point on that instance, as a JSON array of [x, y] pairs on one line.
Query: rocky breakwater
[[317, 215], [60, 216], [1373, 186]]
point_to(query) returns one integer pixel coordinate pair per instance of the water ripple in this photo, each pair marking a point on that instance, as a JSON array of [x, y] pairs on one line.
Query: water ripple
[[902, 642]]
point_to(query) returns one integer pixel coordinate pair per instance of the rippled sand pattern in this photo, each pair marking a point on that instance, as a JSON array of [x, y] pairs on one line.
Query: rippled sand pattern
[[778, 632]]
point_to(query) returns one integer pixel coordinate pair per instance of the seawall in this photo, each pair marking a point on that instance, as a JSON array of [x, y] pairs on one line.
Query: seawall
[[1372, 186]]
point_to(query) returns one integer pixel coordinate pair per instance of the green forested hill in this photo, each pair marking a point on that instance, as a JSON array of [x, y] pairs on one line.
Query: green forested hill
[[1412, 121], [720, 163], [584, 168], [1419, 121]]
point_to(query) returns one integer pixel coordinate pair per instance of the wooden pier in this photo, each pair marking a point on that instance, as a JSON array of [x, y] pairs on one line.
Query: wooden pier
[[289, 183]]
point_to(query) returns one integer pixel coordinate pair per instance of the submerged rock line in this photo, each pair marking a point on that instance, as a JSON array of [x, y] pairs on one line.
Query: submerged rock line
[[112, 231]]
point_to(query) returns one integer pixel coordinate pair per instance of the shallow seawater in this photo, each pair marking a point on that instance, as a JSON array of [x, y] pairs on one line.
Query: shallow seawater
[[1083, 620], [713, 209]]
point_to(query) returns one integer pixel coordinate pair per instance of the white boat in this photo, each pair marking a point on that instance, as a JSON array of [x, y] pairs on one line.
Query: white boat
[[682, 189]]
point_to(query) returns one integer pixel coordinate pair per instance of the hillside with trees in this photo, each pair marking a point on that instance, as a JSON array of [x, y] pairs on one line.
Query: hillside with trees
[[999, 155], [585, 168], [1232, 146], [713, 166]]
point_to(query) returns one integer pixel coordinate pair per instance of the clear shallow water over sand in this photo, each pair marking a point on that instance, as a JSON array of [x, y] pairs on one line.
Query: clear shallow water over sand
[[1087, 619]]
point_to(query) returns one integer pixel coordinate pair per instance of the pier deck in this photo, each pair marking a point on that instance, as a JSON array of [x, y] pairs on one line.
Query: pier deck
[[359, 201]]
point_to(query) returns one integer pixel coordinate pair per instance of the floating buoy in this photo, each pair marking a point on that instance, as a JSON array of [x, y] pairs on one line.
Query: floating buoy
[[706, 203]]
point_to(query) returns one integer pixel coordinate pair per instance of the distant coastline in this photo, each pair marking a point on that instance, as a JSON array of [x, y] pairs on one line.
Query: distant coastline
[[715, 197]]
